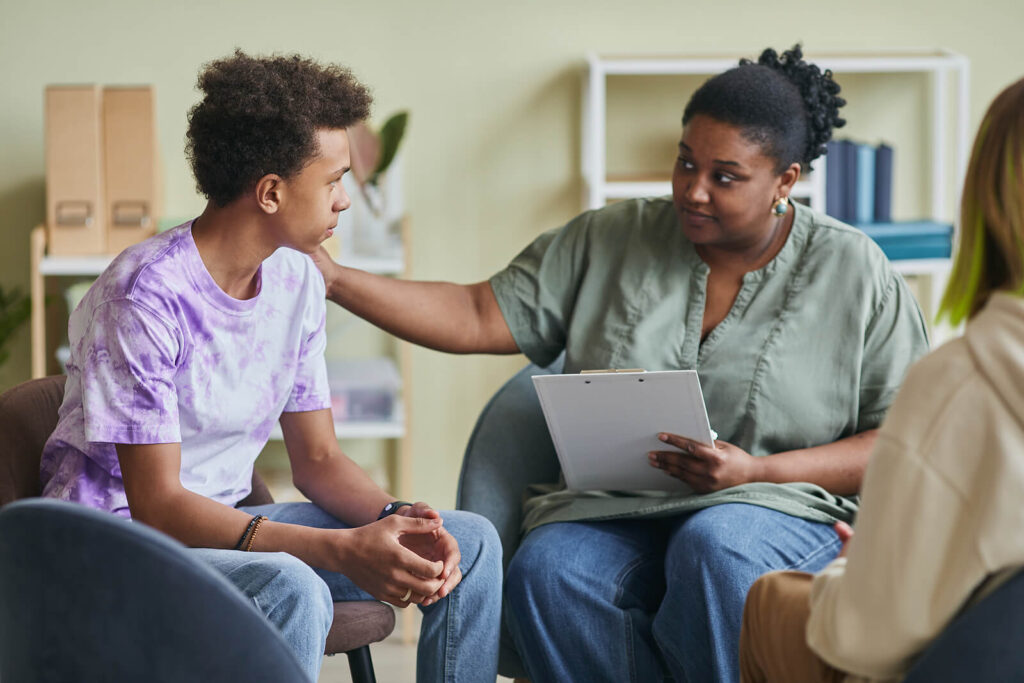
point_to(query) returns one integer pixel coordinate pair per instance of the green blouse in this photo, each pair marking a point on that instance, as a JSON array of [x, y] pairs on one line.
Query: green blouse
[[812, 351]]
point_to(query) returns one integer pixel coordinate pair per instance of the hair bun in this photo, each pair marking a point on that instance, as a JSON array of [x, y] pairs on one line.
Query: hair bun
[[818, 89]]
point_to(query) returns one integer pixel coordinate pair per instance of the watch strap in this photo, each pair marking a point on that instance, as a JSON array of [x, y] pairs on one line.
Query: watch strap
[[391, 508]]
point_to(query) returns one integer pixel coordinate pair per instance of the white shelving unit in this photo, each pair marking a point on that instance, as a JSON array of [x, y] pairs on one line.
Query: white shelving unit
[[940, 64], [949, 93]]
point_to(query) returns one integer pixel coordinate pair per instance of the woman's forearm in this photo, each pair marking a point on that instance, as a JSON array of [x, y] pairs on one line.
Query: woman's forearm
[[439, 315], [837, 467]]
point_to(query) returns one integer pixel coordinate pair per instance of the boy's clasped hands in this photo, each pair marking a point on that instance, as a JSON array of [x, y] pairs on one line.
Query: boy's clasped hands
[[405, 558]]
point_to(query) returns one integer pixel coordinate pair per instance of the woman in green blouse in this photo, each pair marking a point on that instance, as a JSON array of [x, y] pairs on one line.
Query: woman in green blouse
[[801, 333]]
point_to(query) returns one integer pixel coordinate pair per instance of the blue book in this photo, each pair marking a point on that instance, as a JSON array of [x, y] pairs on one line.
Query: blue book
[[912, 239], [883, 183], [849, 190], [864, 198], [834, 169]]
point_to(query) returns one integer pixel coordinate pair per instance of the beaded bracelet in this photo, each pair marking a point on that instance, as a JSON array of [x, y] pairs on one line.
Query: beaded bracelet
[[241, 541], [252, 536]]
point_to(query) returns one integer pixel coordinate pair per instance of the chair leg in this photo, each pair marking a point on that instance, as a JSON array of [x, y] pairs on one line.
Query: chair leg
[[361, 665]]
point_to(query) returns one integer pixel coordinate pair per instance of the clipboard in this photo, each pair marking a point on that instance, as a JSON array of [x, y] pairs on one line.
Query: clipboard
[[603, 425]]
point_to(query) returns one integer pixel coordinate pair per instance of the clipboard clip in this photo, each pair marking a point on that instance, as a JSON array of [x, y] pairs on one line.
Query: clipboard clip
[[611, 370]]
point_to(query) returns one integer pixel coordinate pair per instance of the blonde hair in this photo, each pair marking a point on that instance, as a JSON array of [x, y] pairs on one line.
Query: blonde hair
[[991, 251]]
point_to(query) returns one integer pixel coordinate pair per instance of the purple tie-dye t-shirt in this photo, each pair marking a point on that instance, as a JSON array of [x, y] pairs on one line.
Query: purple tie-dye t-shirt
[[160, 354]]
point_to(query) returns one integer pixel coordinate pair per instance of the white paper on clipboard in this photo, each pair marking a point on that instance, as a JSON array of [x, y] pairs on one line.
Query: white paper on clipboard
[[604, 424]]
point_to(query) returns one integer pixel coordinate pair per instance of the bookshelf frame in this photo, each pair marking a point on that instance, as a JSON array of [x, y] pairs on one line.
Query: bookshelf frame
[[950, 78]]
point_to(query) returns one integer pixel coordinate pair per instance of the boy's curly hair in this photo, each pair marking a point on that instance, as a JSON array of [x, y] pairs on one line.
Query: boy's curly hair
[[787, 105], [260, 115]]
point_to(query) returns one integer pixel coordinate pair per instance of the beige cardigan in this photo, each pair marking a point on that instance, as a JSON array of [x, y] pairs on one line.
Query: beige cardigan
[[942, 512]]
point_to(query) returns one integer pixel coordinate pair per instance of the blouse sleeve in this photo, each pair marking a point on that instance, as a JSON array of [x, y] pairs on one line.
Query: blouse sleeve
[[895, 337], [538, 289]]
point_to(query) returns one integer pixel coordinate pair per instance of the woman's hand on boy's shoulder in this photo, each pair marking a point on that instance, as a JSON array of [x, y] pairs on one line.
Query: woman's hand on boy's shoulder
[[328, 269], [705, 468]]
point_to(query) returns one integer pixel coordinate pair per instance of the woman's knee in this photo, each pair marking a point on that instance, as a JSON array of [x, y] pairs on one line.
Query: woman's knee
[[530, 568], [722, 536], [697, 544], [569, 561]]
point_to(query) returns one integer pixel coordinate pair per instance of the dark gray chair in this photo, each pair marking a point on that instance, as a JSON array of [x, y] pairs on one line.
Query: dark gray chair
[[984, 643], [154, 614], [509, 449], [28, 415]]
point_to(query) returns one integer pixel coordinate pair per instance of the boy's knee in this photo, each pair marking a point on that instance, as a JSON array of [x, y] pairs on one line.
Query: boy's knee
[[479, 543], [298, 589]]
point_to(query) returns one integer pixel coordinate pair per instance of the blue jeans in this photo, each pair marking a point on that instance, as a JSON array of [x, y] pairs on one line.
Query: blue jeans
[[642, 600], [459, 636]]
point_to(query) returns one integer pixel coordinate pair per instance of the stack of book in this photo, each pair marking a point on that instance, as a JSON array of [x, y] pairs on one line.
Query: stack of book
[[858, 191]]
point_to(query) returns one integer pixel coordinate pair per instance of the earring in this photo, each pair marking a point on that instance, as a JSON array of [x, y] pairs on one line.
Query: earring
[[780, 206]]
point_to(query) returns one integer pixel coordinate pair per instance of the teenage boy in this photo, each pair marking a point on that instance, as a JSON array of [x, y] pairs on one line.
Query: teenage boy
[[193, 343]]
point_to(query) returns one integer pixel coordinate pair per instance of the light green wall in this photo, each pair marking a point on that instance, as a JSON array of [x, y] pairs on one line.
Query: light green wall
[[493, 88]]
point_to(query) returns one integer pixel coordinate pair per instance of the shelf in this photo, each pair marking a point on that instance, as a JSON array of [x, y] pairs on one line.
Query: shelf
[[950, 85], [922, 266], [381, 265], [74, 265], [891, 61], [93, 266], [359, 429], [622, 188]]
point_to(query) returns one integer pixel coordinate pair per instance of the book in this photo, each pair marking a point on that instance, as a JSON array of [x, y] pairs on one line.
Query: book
[[849, 202], [864, 195], [883, 184], [911, 239], [834, 175]]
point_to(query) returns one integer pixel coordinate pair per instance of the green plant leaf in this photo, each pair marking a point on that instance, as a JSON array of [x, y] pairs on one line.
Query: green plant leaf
[[391, 134], [15, 309]]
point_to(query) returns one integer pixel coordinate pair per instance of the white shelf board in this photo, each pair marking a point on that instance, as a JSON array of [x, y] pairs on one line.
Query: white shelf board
[[922, 266], [74, 265], [625, 189], [363, 429], [893, 61], [95, 265], [381, 265]]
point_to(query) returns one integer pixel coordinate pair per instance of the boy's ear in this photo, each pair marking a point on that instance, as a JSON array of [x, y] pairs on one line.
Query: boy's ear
[[268, 192]]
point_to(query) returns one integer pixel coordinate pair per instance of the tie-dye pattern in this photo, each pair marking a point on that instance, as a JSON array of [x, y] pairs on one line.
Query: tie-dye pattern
[[160, 354]]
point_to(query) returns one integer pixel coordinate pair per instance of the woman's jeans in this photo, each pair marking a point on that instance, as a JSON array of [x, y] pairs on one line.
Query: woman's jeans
[[459, 637], [642, 600]]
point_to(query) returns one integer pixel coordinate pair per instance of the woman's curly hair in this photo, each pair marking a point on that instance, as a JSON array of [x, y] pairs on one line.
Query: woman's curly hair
[[785, 104], [260, 115]]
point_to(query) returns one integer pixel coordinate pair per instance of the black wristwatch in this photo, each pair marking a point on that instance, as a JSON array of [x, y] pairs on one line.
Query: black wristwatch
[[391, 508]]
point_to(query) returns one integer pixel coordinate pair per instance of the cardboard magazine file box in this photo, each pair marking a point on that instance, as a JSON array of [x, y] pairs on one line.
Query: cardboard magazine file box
[[132, 181], [75, 220]]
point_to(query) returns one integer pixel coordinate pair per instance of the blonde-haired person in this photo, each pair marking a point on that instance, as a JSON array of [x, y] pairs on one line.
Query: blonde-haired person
[[940, 523]]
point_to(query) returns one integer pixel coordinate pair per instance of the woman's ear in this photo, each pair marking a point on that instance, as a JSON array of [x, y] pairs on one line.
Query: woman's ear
[[788, 179], [268, 192]]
